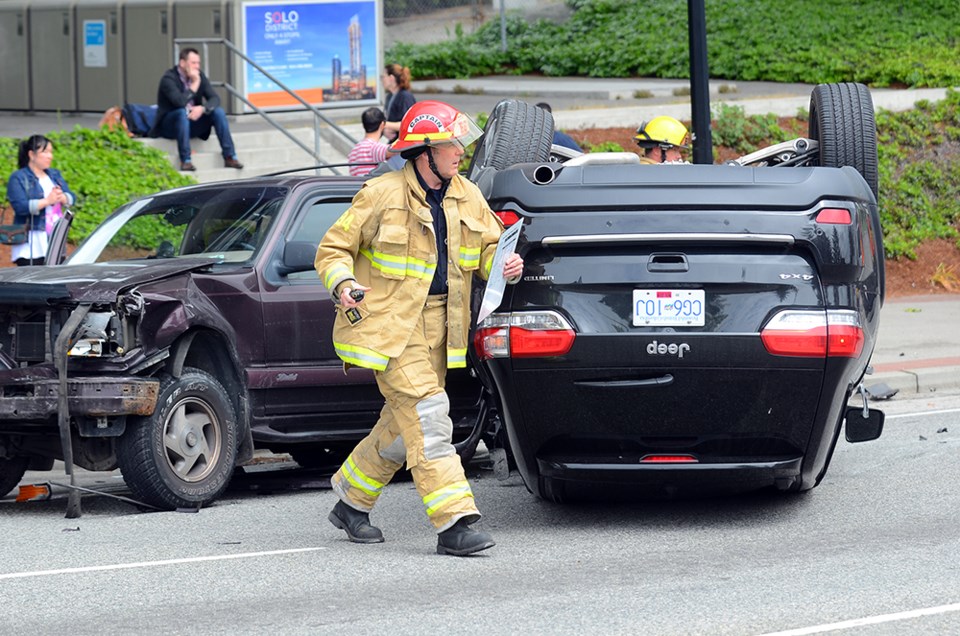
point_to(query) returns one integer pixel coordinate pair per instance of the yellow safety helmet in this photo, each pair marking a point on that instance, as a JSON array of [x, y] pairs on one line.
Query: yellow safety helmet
[[662, 131]]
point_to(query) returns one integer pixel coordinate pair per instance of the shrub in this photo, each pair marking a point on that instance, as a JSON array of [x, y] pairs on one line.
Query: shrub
[[105, 169], [876, 42]]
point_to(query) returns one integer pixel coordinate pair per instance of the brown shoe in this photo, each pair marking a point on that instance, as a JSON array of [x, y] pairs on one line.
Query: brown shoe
[[187, 166], [232, 163]]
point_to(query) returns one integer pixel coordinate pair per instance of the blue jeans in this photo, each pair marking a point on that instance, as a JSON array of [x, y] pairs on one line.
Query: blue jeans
[[175, 125]]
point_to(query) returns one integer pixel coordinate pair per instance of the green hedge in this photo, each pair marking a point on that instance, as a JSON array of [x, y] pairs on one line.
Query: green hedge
[[877, 42], [919, 174], [105, 169]]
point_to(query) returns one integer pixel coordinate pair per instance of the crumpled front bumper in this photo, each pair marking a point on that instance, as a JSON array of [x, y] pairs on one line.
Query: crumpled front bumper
[[33, 394]]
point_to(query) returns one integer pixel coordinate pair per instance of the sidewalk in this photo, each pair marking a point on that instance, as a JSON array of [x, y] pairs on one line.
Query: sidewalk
[[918, 347], [615, 103]]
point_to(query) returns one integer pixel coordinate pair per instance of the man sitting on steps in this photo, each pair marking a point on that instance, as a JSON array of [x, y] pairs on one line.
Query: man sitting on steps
[[187, 106]]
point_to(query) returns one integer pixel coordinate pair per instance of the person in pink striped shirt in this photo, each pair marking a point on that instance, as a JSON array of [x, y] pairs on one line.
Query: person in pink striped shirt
[[369, 151]]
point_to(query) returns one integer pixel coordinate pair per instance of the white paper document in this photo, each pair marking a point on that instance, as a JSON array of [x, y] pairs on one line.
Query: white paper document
[[496, 284]]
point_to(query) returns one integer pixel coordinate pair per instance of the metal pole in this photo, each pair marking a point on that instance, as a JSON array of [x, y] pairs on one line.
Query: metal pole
[[699, 82], [503, 26], [60, 348]]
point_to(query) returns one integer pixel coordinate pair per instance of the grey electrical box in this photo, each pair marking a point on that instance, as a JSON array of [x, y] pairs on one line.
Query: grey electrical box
[[206, 19], [15, 53], [52, 57], [99, 59], [147, 47]]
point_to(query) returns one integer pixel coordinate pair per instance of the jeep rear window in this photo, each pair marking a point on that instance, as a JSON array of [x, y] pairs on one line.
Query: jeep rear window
[[225, 223]]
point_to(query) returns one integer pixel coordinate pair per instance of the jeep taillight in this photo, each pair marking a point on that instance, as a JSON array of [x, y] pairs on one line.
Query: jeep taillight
[[529, 334], [507, 217], [814, 334], [834, 216]]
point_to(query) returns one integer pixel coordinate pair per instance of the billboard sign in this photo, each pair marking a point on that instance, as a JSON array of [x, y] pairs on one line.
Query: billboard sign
[[326, 51]]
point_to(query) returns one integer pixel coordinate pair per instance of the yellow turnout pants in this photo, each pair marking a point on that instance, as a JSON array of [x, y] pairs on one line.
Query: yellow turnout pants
[[415, 426]]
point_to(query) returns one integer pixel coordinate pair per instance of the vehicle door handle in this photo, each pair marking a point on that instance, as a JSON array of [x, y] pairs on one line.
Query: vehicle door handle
[[667, 263], [664, 380]]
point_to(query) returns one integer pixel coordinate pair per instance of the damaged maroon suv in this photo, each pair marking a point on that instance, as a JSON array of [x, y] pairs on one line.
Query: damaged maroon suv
[[174, 362]]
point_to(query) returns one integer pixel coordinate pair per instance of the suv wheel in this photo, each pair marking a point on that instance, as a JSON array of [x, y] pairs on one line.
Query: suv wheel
[[183, 455], [842, 122], [11, 472]]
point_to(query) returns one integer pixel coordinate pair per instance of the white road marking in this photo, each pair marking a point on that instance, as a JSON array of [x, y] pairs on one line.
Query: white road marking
[[150, 564], [919, 413], [869, 620]]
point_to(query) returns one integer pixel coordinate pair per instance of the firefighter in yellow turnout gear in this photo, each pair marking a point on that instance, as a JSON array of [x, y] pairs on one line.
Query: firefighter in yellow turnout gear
[[411, 241]]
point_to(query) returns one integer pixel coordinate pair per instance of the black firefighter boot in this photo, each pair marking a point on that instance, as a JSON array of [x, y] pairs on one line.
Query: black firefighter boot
[[355, 523], [461, 540]]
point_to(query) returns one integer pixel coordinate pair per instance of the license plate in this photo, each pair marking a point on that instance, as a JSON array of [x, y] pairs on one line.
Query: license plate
[[668, 307]]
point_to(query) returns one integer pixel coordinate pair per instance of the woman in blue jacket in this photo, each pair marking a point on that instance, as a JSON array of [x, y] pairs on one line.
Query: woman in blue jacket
[[38, 194]]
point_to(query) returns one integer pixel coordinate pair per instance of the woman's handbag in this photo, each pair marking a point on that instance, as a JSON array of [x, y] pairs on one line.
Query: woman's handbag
[[12, 234]]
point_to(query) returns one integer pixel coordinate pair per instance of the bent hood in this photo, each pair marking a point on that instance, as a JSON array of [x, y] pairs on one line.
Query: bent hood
[[98, 282]]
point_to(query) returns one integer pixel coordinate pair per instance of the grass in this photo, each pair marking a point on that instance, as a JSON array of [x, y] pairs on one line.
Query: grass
[[945, 276]]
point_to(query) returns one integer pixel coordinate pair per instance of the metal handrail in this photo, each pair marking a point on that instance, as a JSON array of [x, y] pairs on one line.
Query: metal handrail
[[317, 115]]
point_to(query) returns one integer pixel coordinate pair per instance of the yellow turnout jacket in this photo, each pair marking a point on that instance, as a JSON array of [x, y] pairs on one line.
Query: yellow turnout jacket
[[386, 241]]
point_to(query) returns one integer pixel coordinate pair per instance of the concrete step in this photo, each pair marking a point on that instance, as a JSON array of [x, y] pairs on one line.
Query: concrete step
[[261, 150], [257, 162]]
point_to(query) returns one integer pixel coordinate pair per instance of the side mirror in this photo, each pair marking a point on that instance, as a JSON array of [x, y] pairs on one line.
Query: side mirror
[[298, 256], [863, 426]]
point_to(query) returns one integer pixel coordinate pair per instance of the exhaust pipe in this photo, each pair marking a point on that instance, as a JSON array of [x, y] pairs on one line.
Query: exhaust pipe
[[544, 174]]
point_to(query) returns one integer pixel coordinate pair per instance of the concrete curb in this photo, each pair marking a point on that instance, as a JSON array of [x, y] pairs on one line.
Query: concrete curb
[[917, 380]]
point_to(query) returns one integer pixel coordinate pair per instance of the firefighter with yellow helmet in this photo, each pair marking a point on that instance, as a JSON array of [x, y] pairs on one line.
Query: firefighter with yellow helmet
[[662, 138], [411, 242]]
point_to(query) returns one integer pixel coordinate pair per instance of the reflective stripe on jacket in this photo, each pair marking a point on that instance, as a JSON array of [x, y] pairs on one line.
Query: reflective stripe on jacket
[[386, 241]]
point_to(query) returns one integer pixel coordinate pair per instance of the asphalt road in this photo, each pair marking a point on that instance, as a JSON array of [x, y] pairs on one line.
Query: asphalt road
[[871, 551]]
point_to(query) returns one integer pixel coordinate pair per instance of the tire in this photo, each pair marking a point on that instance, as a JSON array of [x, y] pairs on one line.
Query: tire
[[516, 132], [11, 472], [842, 122], [183, 455], [551, 490]]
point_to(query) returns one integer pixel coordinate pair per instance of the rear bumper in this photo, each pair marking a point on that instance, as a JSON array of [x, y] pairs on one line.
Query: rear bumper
[[36, 399], [782, 473]]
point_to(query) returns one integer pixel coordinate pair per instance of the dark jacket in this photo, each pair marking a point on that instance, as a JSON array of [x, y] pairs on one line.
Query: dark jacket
[[172, 95], [24, 193], [398, 104], [561, 138]]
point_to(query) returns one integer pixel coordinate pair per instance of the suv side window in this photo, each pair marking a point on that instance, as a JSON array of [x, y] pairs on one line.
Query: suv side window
[[314, 225]]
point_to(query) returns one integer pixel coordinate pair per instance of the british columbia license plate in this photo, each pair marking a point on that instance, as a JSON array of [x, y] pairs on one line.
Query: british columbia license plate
[[668, 307]]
